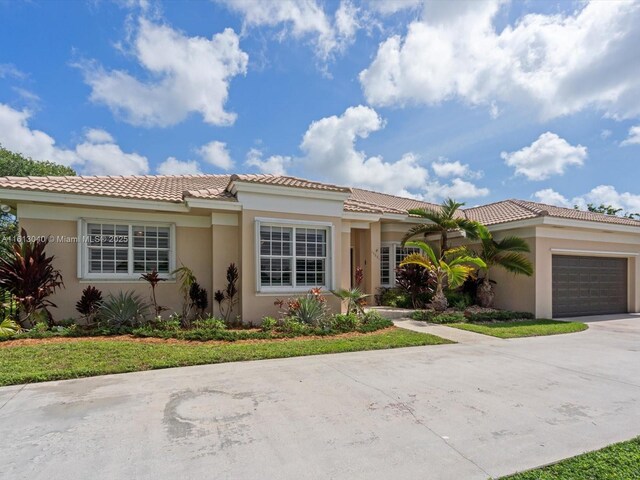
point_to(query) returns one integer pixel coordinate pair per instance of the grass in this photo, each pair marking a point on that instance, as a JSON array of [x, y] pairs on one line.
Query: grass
[[90, 357], [522, 328], [615, 462]]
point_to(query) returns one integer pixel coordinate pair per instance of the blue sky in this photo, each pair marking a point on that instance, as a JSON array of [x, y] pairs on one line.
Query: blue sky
[[477, 100]]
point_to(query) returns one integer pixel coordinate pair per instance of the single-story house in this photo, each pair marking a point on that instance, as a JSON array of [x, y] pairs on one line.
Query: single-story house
[[288, 235]]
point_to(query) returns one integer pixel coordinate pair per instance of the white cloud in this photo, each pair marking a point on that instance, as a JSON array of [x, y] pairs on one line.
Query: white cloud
[[634, 136], [551, 197], [216, 154], [173, 166], [275, 164], [329, 152], [600, 195], [458, 189], [301, 18], [188, 74], [558, 63], [548, 155], [10, 70], [98, 154], [606, 133], [389, 7], [444, 168], [97, 135]]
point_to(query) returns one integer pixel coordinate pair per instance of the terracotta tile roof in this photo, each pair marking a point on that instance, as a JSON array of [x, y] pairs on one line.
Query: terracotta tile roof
[[168, 188], [175, 188], [513, 210], [287, 181]]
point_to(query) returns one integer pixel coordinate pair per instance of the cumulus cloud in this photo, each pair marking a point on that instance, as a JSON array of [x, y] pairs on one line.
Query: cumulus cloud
[[600, 195], [188, 74], [275, 164], [548, 155], [302, 19], [330, 152], [634, 136], [444, 168], [458, 189], [557, 63], [97, 154], [216, 154], [173, 166]]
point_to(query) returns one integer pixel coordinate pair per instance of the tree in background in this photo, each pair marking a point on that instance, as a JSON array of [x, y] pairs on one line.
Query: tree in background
[[609, 210], [14, 164]]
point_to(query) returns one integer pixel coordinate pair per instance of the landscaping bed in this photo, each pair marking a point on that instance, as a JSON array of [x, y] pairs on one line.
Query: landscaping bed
[[64, 358], [615, 462]]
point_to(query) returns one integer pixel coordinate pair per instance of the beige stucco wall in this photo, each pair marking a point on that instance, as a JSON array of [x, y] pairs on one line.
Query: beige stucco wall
[[256, 305], [225, 249], [193, 249]]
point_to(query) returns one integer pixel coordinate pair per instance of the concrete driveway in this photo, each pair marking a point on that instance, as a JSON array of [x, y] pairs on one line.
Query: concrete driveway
[[462, 411]]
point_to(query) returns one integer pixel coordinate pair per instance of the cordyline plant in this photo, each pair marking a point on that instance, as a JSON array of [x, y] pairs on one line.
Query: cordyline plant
[[28, 274], [453, 267], [187, 278], [89, 304], [227, 298], [153, 279]]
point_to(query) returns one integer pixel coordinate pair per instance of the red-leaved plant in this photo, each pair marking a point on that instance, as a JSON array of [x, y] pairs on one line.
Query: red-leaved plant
[[28, 274]]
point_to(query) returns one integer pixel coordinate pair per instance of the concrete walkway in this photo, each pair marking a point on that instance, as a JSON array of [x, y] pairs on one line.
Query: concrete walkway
[[460, 411]]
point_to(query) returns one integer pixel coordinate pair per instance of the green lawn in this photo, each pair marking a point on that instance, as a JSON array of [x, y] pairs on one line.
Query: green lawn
[[521, 328], [85, 358], [619, 461]]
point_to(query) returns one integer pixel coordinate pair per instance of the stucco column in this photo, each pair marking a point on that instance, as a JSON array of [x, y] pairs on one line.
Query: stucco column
[[343, 277], [543, 275], [372, 259]]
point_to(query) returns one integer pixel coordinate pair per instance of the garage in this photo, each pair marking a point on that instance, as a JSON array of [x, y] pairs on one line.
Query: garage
[[589, 285]]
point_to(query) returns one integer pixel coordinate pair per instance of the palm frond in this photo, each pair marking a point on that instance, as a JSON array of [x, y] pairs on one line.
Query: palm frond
[[468, 226], [421, 230], [515, 263], [417, 259], [513, 244], [428, 251], [449, 207], [456, 274]]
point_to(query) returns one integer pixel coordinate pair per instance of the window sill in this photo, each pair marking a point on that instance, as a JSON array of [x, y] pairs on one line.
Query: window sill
[[297, 291], [121, 280]]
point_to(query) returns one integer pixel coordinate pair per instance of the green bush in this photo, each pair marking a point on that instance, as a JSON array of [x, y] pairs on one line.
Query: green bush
[[268, 324], [209, 323], [40, 327], [393, 297], [372, 321], [459, 300], [121, 311], [294, 326], [423, 315], [453, 317], [347, 322], [499, 316]]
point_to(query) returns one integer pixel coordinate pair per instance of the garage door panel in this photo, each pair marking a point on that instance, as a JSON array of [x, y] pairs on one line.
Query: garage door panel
[[588, 285]]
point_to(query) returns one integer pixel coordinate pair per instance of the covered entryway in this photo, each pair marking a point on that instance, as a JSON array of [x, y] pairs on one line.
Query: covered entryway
[[585, 285]]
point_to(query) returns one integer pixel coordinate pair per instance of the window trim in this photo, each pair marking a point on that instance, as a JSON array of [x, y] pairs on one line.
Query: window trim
[[279, 222], [393, 246], [83, 250]]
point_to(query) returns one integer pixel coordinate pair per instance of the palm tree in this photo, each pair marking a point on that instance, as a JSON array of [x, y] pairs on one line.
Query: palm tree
[[454, 267], [444, 221], [354, 297], [507, 254]]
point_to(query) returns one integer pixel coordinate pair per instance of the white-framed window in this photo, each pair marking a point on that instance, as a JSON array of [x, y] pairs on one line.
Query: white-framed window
[[293, 256], [125, 250], [391, 255]]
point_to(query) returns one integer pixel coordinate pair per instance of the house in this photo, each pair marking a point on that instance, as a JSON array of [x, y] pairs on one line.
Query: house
[[288, 235]]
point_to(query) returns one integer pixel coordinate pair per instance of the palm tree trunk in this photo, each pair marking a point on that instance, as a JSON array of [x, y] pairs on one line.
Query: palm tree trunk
[[439, 301], [485, 293]]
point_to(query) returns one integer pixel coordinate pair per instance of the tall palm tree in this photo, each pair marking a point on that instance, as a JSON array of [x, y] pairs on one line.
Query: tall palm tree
[[444, 221], [454, 267], [507, 254]]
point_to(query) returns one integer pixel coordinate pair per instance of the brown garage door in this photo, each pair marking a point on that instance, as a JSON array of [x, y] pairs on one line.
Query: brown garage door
[[589, 285]]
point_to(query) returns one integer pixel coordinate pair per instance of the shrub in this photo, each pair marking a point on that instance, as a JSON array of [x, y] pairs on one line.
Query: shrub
[[372, 321], [294, 326], [499, 315], [416, 282], [423, 315], [446, 317], [89, 304], [356, 300], [123, 310], [310, 309], [28, 274], [227, 299], [186, 277], [153, 278], [40, 327], [458, 299], [268, 324], [393, 297], [344, 322], [8, 328], [210, 323], [199, 298]]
